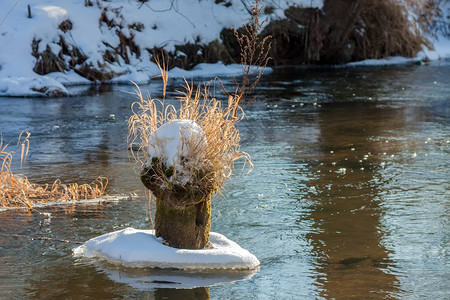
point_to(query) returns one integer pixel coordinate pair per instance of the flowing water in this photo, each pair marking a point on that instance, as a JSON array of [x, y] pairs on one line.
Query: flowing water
[[349, 196]]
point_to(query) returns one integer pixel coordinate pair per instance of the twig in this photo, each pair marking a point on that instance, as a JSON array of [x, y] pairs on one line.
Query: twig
[[246, 7], [9, 13], [254, 55]]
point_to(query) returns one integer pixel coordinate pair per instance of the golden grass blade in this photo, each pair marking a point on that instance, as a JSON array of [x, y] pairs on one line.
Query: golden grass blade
[[163, 68]]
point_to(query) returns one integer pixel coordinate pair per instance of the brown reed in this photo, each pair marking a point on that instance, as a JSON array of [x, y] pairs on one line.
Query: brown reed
[[17, 191]]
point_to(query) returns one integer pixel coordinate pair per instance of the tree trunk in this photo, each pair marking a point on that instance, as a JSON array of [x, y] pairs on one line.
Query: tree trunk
[[183, 213], [186, 228]]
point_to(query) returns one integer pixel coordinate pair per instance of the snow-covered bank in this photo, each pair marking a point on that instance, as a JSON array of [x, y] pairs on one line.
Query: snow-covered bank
[[107, 40], [141, 248], [85, 42], [440, 51]]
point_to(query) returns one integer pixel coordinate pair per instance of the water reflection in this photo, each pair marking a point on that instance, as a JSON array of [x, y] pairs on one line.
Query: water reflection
[[63, 280], [155, 279], [347, 240], [200, 293]]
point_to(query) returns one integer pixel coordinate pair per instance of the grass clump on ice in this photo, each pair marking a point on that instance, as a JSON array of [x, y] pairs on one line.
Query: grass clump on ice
[[17, 191]]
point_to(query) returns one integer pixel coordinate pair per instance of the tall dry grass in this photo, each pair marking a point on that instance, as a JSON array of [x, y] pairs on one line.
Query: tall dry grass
[[394, 28], [209, 163], [17, 191], [212, 162], [254, 53]]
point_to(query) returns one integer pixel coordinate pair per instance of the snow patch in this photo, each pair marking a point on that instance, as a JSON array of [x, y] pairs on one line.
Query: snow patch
[[208, 70], [57, 14], [169, 141], [32, 86], [393, 60], [141, 248], [441, 49]]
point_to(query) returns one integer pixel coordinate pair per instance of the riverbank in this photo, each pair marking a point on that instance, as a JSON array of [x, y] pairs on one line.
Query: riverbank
[[52, 45]]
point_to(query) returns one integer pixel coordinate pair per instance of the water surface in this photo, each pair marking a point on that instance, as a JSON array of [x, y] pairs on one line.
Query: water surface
[[349, 196]]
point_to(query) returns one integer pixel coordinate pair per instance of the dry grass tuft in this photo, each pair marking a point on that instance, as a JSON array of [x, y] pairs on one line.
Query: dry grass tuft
[[17, 191], [210, 163]]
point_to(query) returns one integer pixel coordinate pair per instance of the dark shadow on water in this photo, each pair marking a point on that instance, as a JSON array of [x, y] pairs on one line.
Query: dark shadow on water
[[152, 278], [201, 293], [344, 194]]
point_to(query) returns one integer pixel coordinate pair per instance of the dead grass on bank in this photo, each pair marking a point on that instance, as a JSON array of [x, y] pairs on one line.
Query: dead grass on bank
[[389, 28], [17, 191]]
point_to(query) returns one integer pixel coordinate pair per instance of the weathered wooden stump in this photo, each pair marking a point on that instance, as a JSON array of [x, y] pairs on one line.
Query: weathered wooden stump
[[183, 213]]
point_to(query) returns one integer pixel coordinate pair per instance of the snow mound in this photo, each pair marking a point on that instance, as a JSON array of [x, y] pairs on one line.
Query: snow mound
[[32, 86], [169, 141], [141, 248]]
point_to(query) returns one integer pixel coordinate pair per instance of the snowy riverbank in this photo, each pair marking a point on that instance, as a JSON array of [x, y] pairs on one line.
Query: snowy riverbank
[[48, 45], [84, 39]]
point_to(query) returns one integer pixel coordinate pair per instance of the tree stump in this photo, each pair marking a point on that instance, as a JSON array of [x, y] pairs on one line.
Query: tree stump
[[183, 213]]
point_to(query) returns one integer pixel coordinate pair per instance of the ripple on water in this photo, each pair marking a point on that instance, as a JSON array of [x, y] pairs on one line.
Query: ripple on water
[[378, 228]]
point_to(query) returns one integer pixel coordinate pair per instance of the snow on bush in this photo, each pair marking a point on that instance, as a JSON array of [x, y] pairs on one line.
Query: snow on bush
[[174, 143]]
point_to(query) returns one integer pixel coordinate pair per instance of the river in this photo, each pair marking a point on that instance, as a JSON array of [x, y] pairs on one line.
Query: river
[[348, 198]]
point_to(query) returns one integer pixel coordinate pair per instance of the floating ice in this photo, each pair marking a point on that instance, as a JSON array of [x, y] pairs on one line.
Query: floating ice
[[141, 248]]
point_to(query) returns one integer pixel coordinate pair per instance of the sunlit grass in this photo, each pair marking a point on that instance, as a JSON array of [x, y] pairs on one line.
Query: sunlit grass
[[211, 163], [215, 158], [17, 191]]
